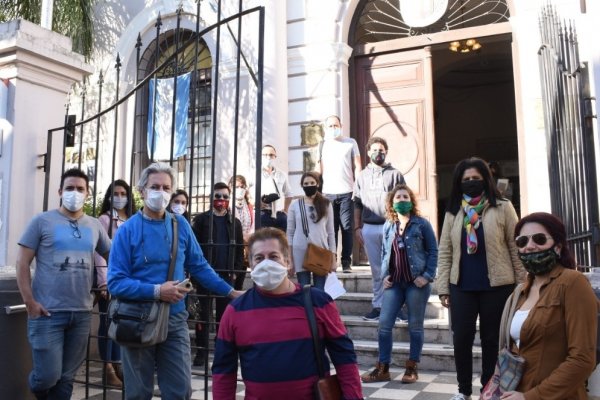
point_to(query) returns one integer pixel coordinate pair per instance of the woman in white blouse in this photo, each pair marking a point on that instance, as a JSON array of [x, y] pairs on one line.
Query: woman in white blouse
[[319, 217]]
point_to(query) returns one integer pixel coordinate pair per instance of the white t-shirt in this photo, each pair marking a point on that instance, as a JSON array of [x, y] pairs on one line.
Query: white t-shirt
[[338, 165]]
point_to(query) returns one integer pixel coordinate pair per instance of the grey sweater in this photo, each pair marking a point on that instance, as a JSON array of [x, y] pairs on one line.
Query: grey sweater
[[371, 188]]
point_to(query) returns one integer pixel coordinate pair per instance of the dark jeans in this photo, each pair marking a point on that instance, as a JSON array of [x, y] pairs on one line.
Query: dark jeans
[[267, 220], [465, 307], [108, 349], [343, 218]]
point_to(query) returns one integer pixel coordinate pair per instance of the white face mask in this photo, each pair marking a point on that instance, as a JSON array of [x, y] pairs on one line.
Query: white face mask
[[332, 133], [119, 203], [267, 162], [268, 274], [157, 200], [73, 200], [178, 209], [240, 193]]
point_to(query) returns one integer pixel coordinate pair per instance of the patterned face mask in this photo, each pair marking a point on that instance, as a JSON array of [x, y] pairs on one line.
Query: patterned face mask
[[540, 262]]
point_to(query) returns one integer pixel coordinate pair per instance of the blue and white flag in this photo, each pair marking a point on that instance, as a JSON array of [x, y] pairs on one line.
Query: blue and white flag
[[164, 117]]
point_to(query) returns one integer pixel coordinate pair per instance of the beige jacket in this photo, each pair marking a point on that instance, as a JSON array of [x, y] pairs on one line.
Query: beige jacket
[[504, 266]]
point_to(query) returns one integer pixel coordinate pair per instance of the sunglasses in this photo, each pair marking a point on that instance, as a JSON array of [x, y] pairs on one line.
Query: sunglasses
[[76, 231], [220, 196], [538, 238], [312, 213]]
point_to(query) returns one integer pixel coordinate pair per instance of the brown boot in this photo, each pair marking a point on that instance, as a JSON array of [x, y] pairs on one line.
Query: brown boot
[[381, 373], [111, 377], [411, 375]]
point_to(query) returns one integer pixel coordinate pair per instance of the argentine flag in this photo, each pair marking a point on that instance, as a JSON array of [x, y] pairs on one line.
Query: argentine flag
[[164, 117]]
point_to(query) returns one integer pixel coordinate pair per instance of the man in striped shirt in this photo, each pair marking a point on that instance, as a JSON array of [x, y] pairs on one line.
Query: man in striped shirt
[[268, 330]]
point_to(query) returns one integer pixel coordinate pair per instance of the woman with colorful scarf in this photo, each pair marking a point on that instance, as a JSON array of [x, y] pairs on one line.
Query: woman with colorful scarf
[[478, 267]]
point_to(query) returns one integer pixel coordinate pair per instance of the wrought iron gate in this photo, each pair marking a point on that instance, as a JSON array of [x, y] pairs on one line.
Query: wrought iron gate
[[569, 117], [172, 53]]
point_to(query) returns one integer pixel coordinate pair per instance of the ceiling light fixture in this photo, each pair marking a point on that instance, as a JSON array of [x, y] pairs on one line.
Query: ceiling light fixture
[[465, 46]]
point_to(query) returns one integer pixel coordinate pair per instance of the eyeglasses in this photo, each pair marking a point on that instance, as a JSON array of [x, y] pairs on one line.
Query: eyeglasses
[[76, 231], [220, 196], [538, 238], [312, 213]]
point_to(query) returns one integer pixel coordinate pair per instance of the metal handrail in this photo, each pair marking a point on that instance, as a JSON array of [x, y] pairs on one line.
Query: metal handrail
[[15, 309]]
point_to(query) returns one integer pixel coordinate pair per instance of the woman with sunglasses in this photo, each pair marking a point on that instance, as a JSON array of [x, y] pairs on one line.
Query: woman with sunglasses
[[554, 327], [319, 217], [117, 207], [409, 262], [477, 267]]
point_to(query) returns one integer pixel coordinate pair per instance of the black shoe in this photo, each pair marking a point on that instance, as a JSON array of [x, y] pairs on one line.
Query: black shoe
[[346, 267], [373, 315]]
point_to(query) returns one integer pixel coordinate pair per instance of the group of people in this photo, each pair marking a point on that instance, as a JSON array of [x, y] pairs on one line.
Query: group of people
[[484, 252]]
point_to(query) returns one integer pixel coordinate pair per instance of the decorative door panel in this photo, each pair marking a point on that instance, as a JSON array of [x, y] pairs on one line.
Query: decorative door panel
[[395, 101]]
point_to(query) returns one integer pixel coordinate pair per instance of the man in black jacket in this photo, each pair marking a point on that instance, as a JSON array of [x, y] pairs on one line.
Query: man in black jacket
[[221, 239]]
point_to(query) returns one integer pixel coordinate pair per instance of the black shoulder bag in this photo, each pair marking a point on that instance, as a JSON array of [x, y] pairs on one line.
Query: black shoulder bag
[[136, 323], [327, 387]]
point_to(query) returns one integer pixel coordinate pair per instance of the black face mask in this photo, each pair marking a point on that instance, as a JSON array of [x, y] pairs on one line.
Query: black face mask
[[540, 262], [472, 188], [309, 190]]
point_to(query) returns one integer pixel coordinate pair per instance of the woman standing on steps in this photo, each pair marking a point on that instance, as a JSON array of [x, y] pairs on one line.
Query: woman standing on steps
[[478, 267], [317, 227], [409, 262]]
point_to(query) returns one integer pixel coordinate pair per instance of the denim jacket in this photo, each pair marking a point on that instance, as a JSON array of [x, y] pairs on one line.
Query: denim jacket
[[421, 247]]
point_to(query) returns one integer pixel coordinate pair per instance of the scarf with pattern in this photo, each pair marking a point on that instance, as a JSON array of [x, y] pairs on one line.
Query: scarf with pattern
[[472, 206]]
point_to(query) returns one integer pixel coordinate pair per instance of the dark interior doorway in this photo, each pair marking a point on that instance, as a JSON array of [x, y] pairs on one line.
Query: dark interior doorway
[[475, 113]]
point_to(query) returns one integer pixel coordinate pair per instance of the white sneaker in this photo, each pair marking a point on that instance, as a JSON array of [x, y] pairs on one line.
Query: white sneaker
[[460, 396]]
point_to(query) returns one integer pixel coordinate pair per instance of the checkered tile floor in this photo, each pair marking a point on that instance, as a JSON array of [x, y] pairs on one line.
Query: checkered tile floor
[[431, 386]]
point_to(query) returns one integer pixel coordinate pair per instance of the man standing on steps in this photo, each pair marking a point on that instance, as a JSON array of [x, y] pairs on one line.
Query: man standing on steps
[[370, 191], [339, 164], [276, 195]]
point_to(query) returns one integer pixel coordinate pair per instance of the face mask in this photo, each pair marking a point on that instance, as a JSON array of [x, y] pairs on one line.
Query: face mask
[[310, 190], [220, 204], [268, 274], [72, 200], [540, 262], [472, 188], [119, 203], [378, 158], [178, 209], [267, 162], [332, 133], [403, 207], [157, 200], [240, 193]]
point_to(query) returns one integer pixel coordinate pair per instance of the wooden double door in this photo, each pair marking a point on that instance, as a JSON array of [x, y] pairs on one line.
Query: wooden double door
[[394, 100]]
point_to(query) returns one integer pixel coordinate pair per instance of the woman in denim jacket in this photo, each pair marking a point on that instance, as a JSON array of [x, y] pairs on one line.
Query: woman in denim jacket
[[409, 262]]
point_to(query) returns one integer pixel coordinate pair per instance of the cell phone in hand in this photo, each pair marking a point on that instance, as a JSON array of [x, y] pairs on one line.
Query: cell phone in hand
[[185, 284]]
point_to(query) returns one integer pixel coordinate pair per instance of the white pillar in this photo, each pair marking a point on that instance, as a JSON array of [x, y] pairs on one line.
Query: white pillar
[[39, 68]]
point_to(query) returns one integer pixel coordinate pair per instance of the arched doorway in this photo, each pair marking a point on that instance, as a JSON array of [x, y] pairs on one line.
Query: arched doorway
[[436, 98]]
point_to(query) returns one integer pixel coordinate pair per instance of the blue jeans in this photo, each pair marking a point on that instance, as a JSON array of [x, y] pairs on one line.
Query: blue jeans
[[393, 299], [171, 360], [343, 218], [58, 344], [109, 350], [373, 238], [280, 221], [304, 279]]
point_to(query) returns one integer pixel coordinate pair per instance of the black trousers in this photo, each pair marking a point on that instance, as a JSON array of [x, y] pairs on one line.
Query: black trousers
[[465, 307]]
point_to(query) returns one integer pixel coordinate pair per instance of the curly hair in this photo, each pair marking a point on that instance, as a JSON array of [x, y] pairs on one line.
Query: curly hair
[[389, 202]]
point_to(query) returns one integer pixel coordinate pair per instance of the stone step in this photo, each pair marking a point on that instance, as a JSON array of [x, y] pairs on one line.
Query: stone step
[[359, 304], [436, 330], [434, 357]]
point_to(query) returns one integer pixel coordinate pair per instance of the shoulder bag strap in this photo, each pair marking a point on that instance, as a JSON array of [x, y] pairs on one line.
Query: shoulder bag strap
[[174, 247], [312, 323], [304, 219]]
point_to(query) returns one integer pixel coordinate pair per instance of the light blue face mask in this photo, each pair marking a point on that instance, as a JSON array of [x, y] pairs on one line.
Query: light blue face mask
[[332, 133]]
